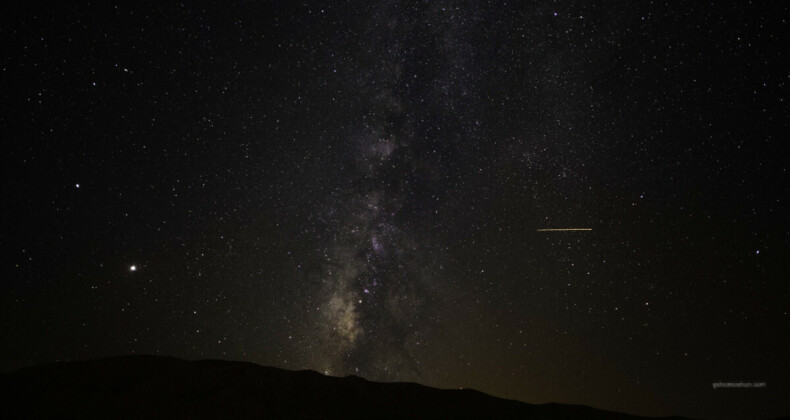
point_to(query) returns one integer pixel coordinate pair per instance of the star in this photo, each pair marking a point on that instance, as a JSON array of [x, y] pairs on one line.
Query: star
[[133, 268]]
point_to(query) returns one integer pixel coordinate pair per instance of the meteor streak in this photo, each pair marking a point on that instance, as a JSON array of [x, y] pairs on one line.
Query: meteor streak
[[562, 230]]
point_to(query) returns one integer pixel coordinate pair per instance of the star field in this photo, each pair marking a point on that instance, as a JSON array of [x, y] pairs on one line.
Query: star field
[[364, 189]]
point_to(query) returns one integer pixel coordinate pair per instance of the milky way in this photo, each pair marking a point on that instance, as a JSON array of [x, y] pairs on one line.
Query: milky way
[[376, 276], [380, 274]]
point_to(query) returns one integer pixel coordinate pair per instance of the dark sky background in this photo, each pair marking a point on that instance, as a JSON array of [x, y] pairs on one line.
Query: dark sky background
[[356, 188]]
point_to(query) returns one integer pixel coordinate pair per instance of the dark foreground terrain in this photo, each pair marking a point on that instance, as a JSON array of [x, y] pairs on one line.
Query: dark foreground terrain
[[160, 387]]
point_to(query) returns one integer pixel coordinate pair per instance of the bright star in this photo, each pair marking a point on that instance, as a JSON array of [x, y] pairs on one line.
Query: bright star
[[133, 268]]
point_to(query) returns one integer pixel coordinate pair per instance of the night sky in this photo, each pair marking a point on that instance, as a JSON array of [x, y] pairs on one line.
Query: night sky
[[357, 188]]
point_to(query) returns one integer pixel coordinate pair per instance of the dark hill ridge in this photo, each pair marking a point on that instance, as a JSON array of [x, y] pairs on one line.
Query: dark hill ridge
[[163, 387]]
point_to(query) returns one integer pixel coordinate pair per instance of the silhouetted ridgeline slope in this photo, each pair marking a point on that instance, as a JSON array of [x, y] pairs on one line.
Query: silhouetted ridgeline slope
[[161, 387]]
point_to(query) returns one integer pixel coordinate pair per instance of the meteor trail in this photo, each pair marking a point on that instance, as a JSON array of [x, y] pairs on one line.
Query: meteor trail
[[562, 230]]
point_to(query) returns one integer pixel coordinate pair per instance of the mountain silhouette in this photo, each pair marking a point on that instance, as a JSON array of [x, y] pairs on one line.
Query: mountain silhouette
[[164, 387]]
